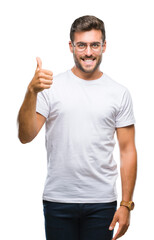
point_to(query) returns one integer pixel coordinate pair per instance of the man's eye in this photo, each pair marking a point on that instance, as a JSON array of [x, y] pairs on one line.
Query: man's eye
[[81, 45], [95, 45]]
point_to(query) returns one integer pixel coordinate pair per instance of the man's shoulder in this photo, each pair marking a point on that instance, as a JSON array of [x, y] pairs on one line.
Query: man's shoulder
[[113, 84]]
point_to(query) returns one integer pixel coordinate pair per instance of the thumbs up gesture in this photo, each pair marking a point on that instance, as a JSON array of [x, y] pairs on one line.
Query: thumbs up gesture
[[42, 78]]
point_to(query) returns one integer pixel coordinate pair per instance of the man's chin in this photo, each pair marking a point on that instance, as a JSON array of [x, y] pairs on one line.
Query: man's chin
[[88, 69]]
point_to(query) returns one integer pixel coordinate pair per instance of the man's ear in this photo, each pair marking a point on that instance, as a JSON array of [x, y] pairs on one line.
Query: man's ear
[[104, 47], [71, 46]]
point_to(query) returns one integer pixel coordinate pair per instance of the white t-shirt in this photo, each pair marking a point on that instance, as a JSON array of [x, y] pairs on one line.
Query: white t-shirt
[[81, 117]]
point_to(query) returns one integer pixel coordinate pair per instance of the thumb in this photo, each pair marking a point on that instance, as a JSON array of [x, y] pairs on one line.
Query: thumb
[[39, 63], [113, 223]]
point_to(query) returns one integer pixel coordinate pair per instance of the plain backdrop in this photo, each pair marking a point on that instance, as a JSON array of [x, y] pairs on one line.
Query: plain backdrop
[[41, 28]]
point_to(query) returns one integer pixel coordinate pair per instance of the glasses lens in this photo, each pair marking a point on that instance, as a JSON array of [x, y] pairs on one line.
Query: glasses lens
[[95, 46], [81, 46]]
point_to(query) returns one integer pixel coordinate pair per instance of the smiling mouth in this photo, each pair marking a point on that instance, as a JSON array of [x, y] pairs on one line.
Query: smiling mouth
[[88, 60]]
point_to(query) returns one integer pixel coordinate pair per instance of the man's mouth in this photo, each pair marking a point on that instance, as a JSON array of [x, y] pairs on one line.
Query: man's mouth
[[88, 61]]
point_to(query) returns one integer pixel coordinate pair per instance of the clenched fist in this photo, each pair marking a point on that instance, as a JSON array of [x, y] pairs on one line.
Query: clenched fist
[[42, 78]]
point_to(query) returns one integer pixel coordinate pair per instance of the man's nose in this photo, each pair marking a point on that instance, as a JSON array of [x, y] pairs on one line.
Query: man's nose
[[88, 51]]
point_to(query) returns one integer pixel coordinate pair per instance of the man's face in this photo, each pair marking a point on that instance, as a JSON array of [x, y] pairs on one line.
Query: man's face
[[89, 59]]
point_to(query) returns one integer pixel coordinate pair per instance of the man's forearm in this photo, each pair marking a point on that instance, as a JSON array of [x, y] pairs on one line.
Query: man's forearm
[[27, 118], [128, 171]]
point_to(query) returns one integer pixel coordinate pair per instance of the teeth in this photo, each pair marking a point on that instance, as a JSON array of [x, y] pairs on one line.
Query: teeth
[[88, 60]]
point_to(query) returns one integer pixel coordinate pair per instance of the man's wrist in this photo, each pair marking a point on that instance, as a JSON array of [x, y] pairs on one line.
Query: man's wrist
[[30, 90], [129, 204]]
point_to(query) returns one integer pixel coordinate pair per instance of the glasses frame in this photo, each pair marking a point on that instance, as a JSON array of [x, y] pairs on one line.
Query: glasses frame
[[86, 45]]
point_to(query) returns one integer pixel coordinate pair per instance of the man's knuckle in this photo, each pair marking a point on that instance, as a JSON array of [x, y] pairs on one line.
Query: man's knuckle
[[41, 80], [41, 85], [39, 75]]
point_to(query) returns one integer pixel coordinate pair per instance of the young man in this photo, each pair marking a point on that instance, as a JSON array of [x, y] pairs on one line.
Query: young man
[[82, 109]]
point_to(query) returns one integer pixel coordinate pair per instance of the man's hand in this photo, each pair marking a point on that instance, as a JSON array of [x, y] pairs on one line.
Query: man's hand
[[122, 216], [42, 78]]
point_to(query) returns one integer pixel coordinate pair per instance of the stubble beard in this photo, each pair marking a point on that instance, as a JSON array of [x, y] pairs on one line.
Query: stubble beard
[[78, 65]]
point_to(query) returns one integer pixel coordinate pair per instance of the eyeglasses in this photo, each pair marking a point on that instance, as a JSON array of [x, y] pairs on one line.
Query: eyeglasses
[[82, 46]]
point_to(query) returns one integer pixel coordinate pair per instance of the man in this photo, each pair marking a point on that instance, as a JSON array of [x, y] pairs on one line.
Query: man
[[82, 110]]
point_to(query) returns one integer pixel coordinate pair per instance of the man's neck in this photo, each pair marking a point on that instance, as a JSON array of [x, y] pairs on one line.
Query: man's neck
[[87, 76]]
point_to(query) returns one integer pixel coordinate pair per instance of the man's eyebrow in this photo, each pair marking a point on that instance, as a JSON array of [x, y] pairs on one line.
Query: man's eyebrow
[[90, 42], [96, 42], [81, 42]]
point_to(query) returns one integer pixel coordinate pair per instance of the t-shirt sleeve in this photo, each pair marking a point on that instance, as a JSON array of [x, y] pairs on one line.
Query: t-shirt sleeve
[[125, 115], [42, 104]]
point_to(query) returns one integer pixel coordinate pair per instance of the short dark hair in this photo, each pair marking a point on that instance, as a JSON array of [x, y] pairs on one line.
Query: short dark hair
[[87, 23]]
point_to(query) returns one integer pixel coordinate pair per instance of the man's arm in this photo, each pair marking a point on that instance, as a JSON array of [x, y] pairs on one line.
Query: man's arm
[[128, 170], [29, 121]]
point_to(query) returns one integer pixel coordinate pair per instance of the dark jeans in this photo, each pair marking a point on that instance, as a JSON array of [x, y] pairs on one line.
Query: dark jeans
[[78, 221]]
